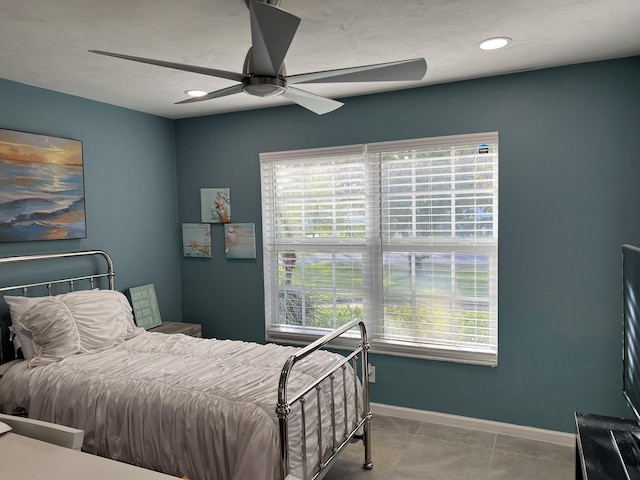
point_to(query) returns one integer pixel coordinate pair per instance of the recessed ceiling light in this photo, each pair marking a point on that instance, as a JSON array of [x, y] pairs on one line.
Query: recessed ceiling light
[[494, 43], [195, 93]]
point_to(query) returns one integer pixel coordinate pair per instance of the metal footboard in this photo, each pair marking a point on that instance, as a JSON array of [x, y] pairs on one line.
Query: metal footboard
[[283, 408]]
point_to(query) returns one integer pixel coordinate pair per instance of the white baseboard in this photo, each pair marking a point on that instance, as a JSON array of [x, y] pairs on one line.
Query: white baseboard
[[531, 433]]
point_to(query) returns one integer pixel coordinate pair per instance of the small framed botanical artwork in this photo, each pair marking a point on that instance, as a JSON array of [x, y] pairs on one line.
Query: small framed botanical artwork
[[41, 187], [240, 240], [196, 240], [215, 205]]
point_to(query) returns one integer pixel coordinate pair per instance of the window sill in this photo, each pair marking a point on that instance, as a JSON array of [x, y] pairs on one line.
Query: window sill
[[382, 347]]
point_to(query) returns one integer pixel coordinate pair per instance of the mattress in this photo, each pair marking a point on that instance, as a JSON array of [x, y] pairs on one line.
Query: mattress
[[202, 408]]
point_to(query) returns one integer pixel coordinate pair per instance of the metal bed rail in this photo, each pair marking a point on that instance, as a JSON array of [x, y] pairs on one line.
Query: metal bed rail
[[110, 274], [283, 408]]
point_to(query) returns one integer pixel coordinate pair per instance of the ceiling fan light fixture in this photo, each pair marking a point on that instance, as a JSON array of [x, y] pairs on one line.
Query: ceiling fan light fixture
[[494, 43], [274, 3], [195, 93], [264, 86]]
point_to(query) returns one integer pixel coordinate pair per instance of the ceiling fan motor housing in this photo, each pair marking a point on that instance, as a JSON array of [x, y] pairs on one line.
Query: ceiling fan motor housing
[[264, 86], [273, 3]]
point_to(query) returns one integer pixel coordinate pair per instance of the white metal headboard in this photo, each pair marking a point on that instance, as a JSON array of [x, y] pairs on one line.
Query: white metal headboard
[[6, 353]]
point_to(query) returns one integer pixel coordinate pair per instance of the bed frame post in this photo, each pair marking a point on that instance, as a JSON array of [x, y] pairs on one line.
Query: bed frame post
[[366, 436], [282, 410]]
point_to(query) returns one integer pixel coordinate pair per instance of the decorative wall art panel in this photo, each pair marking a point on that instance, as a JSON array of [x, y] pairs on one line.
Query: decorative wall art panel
[[215, 205], [240, 240], [41, 187], [196, 240], [144, 303]]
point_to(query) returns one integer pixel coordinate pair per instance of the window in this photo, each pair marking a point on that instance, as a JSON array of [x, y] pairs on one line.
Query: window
[[401, 234]]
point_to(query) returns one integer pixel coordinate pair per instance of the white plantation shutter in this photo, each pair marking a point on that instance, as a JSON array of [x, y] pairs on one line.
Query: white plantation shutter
[[401, 234]]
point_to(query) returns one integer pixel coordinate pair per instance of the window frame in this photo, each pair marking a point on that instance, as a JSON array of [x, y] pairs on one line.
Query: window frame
[[374, 246]]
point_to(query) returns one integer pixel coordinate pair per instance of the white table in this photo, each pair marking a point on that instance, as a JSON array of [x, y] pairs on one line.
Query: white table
[[24, 458]]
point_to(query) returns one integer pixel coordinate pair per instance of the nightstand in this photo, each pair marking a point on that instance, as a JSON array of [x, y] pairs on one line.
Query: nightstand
[[191, 329]]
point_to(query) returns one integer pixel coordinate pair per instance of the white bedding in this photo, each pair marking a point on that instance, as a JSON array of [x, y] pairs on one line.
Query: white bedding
[[182, 405]]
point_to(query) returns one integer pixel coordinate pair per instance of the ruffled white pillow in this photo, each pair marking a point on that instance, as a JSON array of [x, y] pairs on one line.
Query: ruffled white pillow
[[103, 318], [55, 334], [22, 338]]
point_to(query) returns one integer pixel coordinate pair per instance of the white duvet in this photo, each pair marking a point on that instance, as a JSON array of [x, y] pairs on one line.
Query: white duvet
[[183, 405]]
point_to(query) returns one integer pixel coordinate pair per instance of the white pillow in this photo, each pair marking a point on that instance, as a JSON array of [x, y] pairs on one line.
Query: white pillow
[[23, 338], [54, 331], [103, 317]]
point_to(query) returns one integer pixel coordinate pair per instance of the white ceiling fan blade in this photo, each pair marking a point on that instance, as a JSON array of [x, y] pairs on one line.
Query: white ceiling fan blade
[[272, 31], [216, 94], [178, 66], [403, 70], [310, 101]]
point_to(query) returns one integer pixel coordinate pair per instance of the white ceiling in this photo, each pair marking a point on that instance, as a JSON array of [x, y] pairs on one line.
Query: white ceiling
[[45, 43]]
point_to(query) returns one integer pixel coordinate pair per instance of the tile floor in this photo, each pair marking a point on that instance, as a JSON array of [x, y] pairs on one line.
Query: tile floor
[[412, 450]]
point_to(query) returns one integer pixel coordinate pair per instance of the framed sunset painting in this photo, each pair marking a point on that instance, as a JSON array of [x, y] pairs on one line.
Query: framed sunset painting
[[41, 187]]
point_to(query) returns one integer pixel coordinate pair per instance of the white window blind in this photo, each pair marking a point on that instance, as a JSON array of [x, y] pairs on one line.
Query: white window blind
[[401, 234]]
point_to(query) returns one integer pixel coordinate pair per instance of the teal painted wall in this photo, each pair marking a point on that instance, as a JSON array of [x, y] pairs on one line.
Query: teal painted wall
[[569, 198], [130, 185]]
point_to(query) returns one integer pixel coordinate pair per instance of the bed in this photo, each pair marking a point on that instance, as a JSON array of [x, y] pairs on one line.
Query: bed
[[201, 408]]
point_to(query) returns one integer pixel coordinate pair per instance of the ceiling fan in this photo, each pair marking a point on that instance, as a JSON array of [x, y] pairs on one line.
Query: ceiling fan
[[264, 74]]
